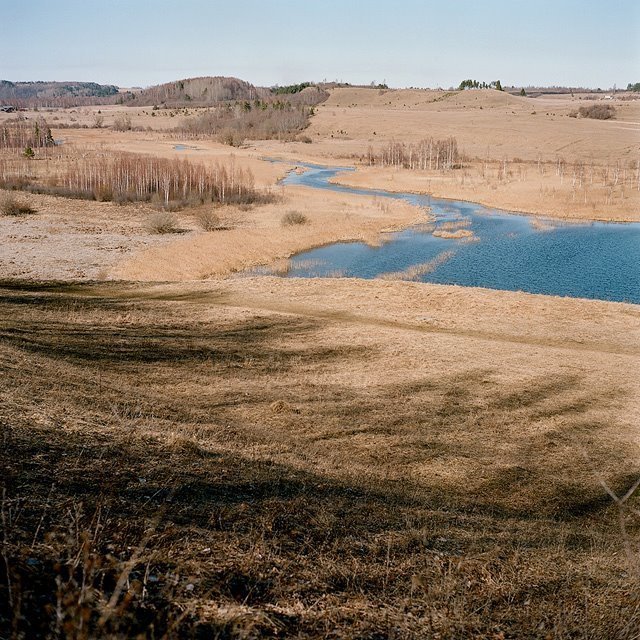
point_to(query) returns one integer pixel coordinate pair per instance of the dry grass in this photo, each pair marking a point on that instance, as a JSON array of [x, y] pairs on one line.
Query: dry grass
[[209, 220], [162, 222], [257, 237], [453, 235], [178, 464], [415, 272], [11, 206], [292, 218]]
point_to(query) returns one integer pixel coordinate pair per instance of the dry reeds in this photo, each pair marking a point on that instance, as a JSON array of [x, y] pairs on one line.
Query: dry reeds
[[416, 271]]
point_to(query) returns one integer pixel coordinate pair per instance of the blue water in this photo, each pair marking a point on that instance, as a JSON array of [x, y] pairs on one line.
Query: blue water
[[509, 251]]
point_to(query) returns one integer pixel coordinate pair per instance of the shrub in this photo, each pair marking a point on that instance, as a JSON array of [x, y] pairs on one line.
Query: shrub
[[208, 220], [162, 222], [598, 111], [122, 123], [10, 206], [231, 137], [294, 218]]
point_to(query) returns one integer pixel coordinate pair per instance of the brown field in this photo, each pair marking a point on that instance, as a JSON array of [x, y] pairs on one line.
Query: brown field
[[258, 457], [192, 451]]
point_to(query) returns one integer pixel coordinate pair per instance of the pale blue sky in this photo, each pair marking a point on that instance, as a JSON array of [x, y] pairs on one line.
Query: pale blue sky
[[407, 42]]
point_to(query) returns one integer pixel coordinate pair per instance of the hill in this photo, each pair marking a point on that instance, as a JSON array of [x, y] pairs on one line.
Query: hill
[[198, 92], [211, 90]]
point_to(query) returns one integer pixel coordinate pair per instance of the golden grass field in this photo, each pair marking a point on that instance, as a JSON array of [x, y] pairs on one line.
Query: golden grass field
[[193, 451]]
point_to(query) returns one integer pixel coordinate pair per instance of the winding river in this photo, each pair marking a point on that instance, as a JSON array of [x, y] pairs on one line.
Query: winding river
[[498, 250]]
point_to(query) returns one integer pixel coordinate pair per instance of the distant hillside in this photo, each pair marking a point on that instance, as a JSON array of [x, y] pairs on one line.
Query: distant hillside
[[53, 94], [197, 92], [205, 91]]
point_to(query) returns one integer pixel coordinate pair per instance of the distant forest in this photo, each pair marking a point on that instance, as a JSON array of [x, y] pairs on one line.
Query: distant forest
[[54, 94], [205, 91]]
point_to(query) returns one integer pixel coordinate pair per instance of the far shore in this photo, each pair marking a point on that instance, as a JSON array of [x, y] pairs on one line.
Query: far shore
[[360, 180]]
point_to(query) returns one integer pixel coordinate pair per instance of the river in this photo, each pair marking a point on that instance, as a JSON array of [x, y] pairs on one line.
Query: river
[[498, 250]]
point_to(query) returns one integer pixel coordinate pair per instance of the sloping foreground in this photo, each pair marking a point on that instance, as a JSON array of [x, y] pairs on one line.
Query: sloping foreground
[[281, 458]]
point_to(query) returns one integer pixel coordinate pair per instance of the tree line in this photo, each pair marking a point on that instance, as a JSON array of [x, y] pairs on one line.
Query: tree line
[[22, 134], [474, 84], [131, 177], [259, 119], [426, 155]]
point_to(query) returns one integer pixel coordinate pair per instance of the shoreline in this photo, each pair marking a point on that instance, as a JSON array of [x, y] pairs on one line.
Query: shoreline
[[354, 176], [516, 212]]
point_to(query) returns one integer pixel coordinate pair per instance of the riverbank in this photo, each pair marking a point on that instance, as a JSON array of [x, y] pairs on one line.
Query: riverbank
[[263, 237], [77, 240], [547, 195]]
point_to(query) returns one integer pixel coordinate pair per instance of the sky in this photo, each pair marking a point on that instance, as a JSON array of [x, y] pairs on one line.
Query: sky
[[403, 43]]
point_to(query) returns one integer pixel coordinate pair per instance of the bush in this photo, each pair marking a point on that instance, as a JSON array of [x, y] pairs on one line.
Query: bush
[[162, 222], [598, 111], [122, 123], [10, 206], [208, 220], [231, 137], [294, 218]]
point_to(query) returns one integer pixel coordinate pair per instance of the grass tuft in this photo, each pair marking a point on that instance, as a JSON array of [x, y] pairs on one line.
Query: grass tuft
[[292, 218], [208, 220], [11, 206], [162, 222]]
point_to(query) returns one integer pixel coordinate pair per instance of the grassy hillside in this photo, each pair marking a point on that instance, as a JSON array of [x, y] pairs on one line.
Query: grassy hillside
[[221, 462]]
